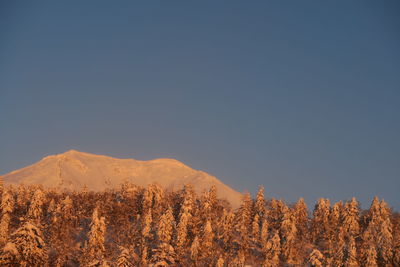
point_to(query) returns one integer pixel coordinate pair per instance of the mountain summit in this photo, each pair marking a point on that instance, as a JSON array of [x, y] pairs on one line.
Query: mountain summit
[[74, 169]]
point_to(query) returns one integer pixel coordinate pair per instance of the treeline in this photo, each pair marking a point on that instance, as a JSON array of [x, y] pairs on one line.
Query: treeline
[[135, 226]]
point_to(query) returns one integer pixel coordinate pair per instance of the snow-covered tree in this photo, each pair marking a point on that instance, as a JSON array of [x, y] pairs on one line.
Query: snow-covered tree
[[95, 249], [226, 227], [7, 202], [35, 211], [10, 256], [243, 220], [264, 232], [300, 211], [350, 221], [371, 257], [220, 262], [26, 247], [259, 205], [165, 227], [385, 237], [272, 250], [124, 258], [207, 241], [368, 248], [182, 231], [288, 237], [320, 226], [351, 254], [316, 258], [163, 255], [255, 229], [194, 250], [7, 207]]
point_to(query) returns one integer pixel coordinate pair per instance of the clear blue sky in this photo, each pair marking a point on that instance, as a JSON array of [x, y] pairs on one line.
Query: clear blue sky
[[301, 96]]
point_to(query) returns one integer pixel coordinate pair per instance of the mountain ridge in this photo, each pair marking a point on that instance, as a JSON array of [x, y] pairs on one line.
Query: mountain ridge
[[74, 170]]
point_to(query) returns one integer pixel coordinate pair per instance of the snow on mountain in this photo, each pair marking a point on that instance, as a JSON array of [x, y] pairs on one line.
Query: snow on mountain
[[74, 170]]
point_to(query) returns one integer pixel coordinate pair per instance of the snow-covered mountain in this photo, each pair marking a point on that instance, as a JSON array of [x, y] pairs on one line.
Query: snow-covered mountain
[[74, 169]]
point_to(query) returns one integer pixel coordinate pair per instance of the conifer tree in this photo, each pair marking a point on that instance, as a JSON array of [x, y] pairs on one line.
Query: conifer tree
[[320, 226], [351, 254], [368, 249], [243, 222], [255, 229], [371, 257], [300, 211], [396, 249], [10, 256], [225, 229], [350, 221], [274, 212], [259, 205], [165, 227], [194, 250], [123, 259], [220, 262], [385, 237], [288, 237], [146, 222], [316, 258], [182, 231], [207, 241], [164, 254], [7, 202], [95, 249], [35, 211], [272, 250], [7, 206], [26, 248], [264, 232]]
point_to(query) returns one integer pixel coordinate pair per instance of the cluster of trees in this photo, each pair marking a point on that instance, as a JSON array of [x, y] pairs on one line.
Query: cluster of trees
[[135, 226]]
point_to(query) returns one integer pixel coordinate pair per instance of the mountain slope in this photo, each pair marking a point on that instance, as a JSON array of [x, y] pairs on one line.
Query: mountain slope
[[74, 169]]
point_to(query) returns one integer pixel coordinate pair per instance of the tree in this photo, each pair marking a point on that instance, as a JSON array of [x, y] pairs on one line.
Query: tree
[[316, 258], [242, 222], [320, 226], [272, 250], [194, 250], [259, 205], [26, 248], [351, 255], [368, 249], [385, 237], [94, 251], [7, 207], [288, 237], [207, 241], [35, 211], [123, 259], [182, 231], [165, 227], [350, 221], [164, 254], [220, 262]]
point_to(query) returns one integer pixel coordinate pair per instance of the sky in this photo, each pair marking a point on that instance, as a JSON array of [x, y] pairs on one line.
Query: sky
[[302, 97]]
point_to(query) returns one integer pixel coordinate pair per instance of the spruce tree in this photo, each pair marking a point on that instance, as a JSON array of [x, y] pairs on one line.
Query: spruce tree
[[123, 259], [316, 258], [272, 250], [26, 248], [95, 249]]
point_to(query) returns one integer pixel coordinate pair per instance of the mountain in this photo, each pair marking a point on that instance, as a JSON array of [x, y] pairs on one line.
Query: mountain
[[74, 169]]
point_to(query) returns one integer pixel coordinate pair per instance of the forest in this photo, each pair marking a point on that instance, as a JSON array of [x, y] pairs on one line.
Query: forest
[[137, 226]]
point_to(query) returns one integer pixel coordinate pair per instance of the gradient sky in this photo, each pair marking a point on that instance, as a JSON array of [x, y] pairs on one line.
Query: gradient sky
[[300, 96]]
